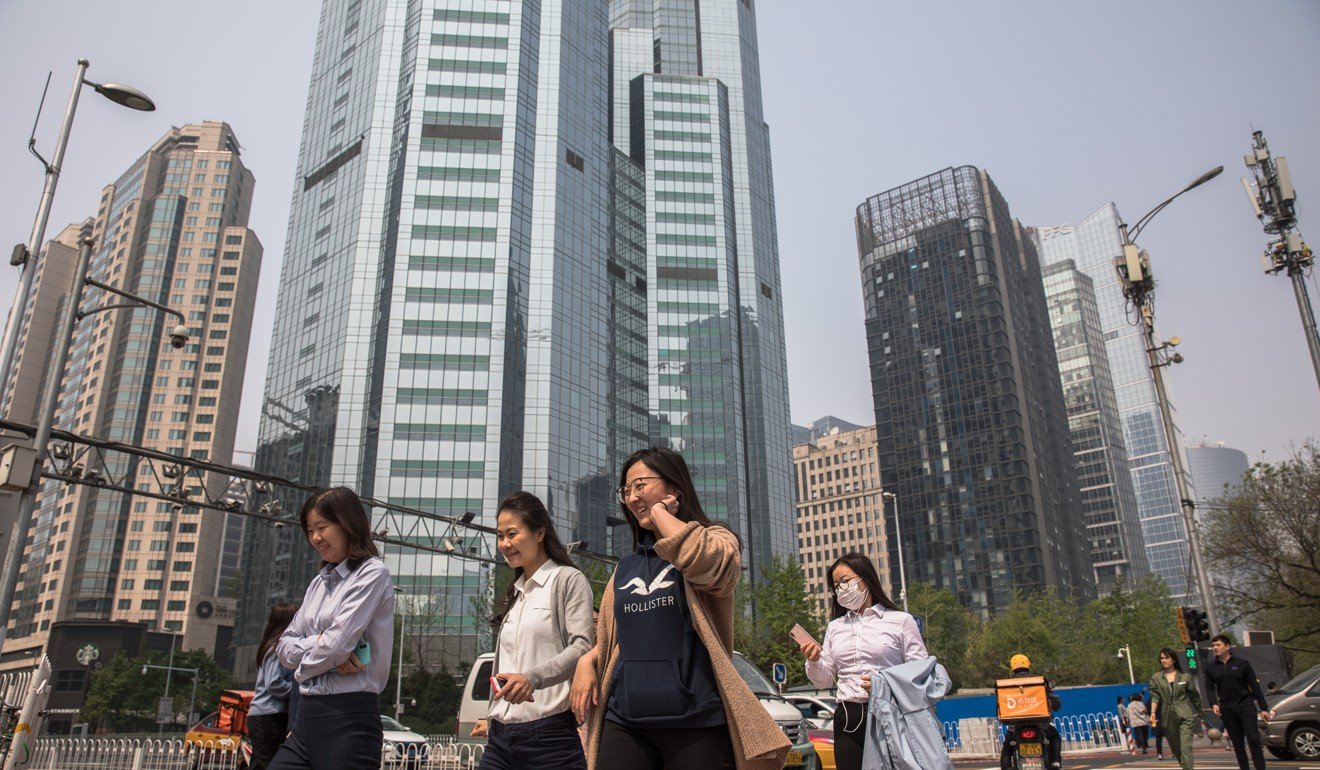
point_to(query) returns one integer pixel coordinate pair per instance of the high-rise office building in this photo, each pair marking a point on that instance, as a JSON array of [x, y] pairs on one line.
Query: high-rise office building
[[970, 422], [1109, 503], [839, 508], [1217, 471], [481, 294], [172, 229], [1092, 245]]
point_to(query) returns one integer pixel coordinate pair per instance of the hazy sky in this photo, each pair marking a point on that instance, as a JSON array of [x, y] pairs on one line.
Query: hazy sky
[[1067, 105]]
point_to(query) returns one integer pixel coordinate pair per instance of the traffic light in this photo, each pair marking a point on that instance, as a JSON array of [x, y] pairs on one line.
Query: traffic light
[[1180, 616], [1192, 658], [1198, 625]]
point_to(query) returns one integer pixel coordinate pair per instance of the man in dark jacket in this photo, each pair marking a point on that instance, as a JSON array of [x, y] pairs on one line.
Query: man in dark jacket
[[1234, 694]]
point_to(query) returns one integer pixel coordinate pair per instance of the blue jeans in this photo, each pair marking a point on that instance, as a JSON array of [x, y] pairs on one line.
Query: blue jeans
[[551, 742]]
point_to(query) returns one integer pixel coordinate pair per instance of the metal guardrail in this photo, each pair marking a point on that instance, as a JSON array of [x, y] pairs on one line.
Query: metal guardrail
[[1081, 733], [140, 754]]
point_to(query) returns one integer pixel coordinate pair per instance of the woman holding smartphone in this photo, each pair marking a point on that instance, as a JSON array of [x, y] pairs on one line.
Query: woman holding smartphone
[[340, 641], [544, 628], [867, 633], [660, 687]]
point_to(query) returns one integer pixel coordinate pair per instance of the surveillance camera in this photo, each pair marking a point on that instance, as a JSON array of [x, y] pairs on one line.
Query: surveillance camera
[[179, 336], [279, 525], [1119, 655], [144, 670]]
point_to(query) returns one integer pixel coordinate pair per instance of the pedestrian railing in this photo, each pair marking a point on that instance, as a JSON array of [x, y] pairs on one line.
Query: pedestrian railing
[[1080, 733], [148, 754]]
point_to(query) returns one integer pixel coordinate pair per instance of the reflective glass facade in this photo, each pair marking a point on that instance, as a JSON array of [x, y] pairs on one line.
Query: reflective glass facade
[[1103, 473], [971, 429], [1092, 245], [470, 301]]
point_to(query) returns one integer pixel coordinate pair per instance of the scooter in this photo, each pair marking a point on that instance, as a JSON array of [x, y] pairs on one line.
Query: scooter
[[1026, 747]]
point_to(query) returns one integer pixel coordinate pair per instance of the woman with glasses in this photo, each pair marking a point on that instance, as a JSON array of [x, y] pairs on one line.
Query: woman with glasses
[[659, 689], [867, 633]]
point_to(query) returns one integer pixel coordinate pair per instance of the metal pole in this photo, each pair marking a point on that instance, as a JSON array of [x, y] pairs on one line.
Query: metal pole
[[398, 676], [1132, 679], [898, 535], [192, 702], [34, 242], [45, 417], [169, 671], [1179, 474], [1296, 273]]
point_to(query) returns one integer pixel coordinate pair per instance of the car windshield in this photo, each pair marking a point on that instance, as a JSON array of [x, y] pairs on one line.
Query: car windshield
[[390, 724], [754, 678], [1300, 682]]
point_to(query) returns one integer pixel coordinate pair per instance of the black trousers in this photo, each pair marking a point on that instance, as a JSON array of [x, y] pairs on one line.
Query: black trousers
[[551, 742], [1140, 737], [1240, 722], [266, 731], [664, 748], [334, 732], [849, 734]]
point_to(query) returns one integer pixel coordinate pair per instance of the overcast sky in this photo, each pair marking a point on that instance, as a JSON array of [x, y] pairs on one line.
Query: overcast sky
[[1067, 105]]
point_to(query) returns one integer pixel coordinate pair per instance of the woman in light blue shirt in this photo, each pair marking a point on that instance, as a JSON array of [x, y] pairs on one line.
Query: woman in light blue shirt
[[268, 716], [340, 642]]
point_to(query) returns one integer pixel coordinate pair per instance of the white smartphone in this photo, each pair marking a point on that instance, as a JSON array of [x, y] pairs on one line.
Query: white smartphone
[[800, 634]]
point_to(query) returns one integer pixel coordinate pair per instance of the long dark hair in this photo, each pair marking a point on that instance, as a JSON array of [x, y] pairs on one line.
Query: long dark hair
[[342, 506], [861, 566], [278, 619], [531, 511], [670, 466], [1177, 664]]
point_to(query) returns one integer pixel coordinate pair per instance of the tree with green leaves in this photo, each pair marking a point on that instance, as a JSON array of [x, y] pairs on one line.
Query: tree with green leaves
[[1262, 544], [430, 698], [766, 610], [1139, 616], [950, 628], [123, 699]]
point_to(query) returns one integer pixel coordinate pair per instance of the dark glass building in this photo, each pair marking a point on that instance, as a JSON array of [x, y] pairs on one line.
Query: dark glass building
[[971, 428]]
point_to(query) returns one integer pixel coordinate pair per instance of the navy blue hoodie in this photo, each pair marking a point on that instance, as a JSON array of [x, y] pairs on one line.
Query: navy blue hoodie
[[664, 676]]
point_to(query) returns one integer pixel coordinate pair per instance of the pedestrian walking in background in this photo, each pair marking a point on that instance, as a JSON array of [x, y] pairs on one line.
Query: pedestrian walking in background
[[1175, 706], [867, 634], [1235, 696], [544, 628], [1140, 721], [1124, 725], [660, 688], [268, 716], [340, 642]]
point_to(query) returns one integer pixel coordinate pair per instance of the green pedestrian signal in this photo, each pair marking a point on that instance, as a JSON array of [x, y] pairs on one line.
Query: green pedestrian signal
[[1192, 659]]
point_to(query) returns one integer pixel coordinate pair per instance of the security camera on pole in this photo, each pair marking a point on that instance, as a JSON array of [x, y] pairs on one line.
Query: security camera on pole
[[1134, 275]]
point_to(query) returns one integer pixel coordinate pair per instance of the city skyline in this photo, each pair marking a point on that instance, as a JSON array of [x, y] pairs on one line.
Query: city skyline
[[1180, 69]]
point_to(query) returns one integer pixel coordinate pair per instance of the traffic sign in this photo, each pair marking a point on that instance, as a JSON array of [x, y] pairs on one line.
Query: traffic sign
[[921, 624], [165, 711], [779, 672]]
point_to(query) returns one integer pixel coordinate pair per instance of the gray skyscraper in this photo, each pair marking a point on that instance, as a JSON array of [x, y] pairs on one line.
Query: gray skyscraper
[[1217, 471], [1108, 500], [971, 428], [480, 294], [1092, 245]]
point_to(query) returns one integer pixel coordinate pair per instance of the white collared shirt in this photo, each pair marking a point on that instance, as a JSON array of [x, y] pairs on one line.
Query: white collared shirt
[[529, 620], [860, 644]]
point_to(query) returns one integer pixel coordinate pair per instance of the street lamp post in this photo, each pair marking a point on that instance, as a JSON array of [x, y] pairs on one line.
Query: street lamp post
[[192, 704], [1134, 274], [61, 342], [1126, 652], [398, 675], [898, 535], [27, 256]]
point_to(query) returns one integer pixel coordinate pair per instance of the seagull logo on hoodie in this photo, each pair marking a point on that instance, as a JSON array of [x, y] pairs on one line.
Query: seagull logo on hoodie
[[640, 588]]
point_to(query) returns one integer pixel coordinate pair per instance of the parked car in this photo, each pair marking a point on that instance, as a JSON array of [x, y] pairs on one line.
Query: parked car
[[1294, 731], [403, 747], [476, 700], [815, 710]]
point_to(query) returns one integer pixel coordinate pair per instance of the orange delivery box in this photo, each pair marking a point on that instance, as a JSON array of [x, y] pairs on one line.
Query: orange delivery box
[[1022, 700]]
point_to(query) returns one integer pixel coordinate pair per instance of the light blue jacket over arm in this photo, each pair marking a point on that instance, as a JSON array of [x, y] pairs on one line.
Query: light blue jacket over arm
[[903, 733]]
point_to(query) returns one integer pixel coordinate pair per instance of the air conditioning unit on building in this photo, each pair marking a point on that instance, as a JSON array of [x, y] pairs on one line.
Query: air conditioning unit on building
[[1254, 638]]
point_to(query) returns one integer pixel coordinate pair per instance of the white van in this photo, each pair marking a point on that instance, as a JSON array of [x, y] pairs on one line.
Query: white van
[[476, 700]]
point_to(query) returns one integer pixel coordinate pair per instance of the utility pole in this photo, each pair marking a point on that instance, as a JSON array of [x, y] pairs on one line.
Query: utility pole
[[1134, 275], [1275, 201]]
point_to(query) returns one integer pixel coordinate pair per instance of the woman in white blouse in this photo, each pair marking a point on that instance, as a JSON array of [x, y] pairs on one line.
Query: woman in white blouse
[[867, 634]]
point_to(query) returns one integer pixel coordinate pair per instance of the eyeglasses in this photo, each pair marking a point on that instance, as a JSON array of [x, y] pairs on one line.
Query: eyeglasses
[[635, 487], [837, 587]]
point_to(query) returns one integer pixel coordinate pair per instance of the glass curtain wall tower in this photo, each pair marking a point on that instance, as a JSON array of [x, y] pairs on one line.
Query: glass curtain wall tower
[[474, 298], [971, 429], [1092, 246]]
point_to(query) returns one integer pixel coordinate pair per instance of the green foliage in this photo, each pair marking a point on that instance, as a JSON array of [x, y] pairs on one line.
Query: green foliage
[[1263, 547], [123, 699], [950, 628], [780, 600], [437, 694]]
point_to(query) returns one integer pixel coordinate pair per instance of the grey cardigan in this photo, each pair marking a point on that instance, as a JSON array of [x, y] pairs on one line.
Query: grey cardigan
[[574, 631]]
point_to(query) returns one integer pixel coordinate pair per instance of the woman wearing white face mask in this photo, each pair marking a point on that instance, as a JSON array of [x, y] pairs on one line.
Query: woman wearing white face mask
[[867, 634]]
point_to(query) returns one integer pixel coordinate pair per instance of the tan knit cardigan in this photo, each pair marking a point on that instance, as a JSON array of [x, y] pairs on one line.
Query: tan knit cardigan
[[711, 565]]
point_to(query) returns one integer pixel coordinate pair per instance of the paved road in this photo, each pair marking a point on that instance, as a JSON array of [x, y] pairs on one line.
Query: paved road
[[1206, 759]]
